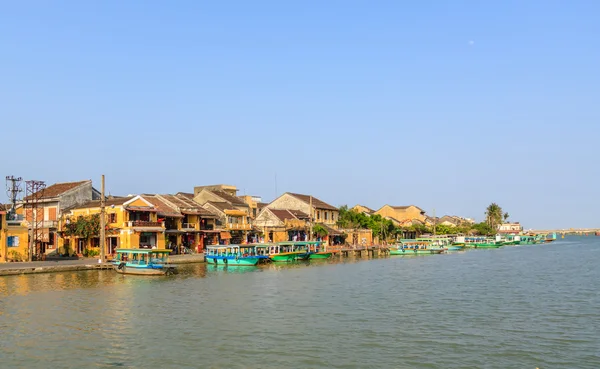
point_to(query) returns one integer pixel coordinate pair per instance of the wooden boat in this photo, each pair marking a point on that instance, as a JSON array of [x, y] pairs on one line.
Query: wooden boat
[[317, 250], [234, 255], [143, 262], [482, 243], [289, 251], [414, 247]]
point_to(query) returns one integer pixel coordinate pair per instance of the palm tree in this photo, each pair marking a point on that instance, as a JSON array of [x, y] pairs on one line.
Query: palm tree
[[493, 215], [505, 217]]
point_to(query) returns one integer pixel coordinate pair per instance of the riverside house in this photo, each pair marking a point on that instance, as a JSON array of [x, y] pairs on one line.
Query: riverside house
[[402, 213], [131, 222], [278, 225], [233, 214], [186, 223], [42, 210], [14, 238], [319, 213]]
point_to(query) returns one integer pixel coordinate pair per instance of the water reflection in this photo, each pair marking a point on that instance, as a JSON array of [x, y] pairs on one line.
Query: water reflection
[[520, 307]]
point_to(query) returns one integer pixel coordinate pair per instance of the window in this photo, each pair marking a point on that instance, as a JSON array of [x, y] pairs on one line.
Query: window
[[112, 218], [326, 214], [13, 241], [318, 214]]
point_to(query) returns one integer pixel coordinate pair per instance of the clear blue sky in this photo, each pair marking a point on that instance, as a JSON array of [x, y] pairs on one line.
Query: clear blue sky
[[446, 106]]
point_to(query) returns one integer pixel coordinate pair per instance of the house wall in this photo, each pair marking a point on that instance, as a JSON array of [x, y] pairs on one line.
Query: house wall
[[19, 231], [361, 209], [287, 201], [412, 212], [267, 219], [78, 196]]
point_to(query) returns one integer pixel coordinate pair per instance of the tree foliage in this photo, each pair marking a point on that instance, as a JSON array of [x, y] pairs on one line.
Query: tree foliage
[[493, 215], [84, 227]]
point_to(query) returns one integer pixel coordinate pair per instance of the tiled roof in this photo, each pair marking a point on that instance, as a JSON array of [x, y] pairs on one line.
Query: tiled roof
[[284, 214], [406, 207], [58, 189], [2, 207], [315, 202], [231, 199], [261, 205], [108, 202], [186, 205], [366, 207], [185, 194], [221, 205], [164, 209]]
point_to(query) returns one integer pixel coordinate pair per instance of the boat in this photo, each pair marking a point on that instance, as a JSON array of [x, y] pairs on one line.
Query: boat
[[143, 262], [317, 250], [234, 255], [414, 247], [482, 243], [289, 251]]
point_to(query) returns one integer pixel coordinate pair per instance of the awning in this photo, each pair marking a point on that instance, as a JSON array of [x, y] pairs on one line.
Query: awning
[[177, 231], [210, 231], [235, 212], [141, 208], [225, 235], [148, 229]]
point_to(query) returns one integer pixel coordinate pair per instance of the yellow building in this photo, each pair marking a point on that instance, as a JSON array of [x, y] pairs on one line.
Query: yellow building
[[362, 209], [14, 238], [131, 222], [402, 213]]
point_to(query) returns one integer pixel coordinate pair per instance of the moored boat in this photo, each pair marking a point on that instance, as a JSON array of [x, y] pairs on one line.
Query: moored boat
[[317, 250], [415, 247], [143, 262], [289, 251], [233, 255]]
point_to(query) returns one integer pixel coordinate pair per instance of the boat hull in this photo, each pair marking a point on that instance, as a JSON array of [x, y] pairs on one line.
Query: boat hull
[[486, 246], [416, 252], [145, 271], [320, 255], [287, 257], [232, 261]]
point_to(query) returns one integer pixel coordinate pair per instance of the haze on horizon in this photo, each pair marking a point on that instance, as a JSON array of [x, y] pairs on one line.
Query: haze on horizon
[[448, 107]]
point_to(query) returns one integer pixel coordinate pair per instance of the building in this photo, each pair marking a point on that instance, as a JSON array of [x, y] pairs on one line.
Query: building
[[321, 212], [191, 225], [510, 228], [278, 225], [131, 222], [255, 204], [14, 238], [363, 209], [43, 210], [233, 214], [402, 213]]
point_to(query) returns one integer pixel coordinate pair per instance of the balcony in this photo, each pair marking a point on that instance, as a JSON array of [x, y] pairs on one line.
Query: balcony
[[142, 223], [42, 223], [238, 226], [188, 226]]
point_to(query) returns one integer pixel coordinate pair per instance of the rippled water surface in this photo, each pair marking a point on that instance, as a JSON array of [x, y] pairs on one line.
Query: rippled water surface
[[514, 307]]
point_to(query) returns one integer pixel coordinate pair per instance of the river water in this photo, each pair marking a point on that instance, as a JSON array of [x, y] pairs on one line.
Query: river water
[[513, 307]]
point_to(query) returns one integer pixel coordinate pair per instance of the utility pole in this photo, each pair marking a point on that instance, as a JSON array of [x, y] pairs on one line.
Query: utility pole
[[311, 219], [102, 222], [434, 222]]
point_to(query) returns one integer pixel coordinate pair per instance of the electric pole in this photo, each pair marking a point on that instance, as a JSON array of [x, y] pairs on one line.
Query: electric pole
[[102, 222]]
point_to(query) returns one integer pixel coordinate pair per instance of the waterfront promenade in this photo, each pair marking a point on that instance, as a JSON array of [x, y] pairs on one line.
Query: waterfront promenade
[[51, 266]]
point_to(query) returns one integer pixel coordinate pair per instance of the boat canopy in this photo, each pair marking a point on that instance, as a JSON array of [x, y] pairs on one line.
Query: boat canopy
[[143, 251]]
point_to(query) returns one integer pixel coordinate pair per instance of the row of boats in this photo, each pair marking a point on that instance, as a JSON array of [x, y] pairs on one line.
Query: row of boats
[[155, 261], [437, 245]]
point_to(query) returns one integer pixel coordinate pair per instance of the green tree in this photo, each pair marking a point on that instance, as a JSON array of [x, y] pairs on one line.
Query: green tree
[[320, 231], [493, 215], [483, 229], [506, 217]]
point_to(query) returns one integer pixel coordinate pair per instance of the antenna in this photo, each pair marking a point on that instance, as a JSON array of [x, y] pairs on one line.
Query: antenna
[[13, 189]]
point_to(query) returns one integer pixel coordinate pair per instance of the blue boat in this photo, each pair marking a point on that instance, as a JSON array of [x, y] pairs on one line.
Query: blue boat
[[235, 255], [143, 262]]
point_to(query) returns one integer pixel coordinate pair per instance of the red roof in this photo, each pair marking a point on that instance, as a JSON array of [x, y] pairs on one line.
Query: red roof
[[57, 189]]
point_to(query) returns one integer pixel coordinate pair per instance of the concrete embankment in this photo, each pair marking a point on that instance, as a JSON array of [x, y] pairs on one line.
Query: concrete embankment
[[78, 265]]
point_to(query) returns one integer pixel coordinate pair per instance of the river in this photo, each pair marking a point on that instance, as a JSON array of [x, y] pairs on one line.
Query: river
[[513, 307]]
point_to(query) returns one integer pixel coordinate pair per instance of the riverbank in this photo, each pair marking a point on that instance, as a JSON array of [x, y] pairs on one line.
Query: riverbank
[[78, 265]]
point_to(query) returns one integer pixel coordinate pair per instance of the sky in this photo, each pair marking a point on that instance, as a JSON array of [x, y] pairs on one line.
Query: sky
[[446, 105]]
